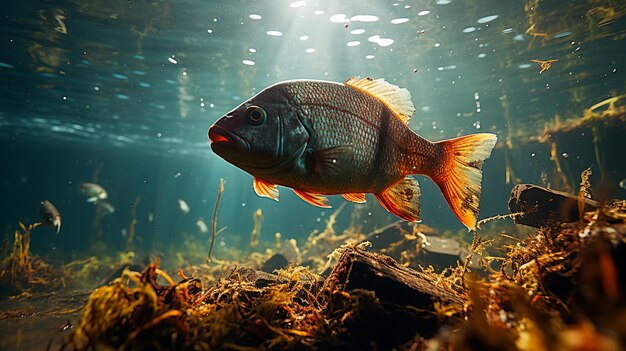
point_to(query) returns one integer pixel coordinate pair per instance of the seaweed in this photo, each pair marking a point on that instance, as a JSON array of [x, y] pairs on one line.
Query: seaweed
[[22, 272]]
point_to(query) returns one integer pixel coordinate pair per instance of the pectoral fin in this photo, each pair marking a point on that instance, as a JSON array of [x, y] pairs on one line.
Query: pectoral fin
[[402, 199], [329, 161], [359, 198], [265, 189], [313, 199]]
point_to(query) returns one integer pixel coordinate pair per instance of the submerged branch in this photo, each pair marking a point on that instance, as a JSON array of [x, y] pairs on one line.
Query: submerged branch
[[214, 220]]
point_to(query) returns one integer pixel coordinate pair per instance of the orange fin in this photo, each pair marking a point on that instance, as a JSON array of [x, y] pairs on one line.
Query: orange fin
[[460, 182], [396, 98], [359, 198], [265, 189], [313, 199], [402, 199]]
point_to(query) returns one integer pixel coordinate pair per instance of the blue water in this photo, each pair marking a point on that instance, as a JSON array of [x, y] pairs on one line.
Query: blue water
[[122, 93]]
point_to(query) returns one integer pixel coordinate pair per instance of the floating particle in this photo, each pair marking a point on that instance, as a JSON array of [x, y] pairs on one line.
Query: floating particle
[[364, 18], [544, 65], [561, 35], [183, 206], [399, 20], [339, 18], [487, 19], [6, 65], [274, 33]]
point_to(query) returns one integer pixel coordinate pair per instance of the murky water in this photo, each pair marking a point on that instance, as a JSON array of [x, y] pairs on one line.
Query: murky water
[[122, 93]]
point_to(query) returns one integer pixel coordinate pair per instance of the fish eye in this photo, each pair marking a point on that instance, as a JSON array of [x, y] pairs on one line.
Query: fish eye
[[256, 115]]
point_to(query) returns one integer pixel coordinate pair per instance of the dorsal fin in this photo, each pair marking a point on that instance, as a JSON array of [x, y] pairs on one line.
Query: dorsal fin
[[396, 98]]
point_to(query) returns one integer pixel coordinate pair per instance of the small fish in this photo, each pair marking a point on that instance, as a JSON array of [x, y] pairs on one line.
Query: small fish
[[182, 205], [50, 216], [93, 192], [323, 138], [622, 184], [202, 227], [150, 217], [106, 208]]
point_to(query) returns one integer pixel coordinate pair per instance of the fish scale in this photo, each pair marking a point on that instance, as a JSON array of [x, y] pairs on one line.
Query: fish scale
[[361, 127]]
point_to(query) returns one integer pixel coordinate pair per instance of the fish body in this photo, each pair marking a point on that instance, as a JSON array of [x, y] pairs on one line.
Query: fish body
[[50, 216], [201, 226], [323, 138], [94, 192], [183, 206], [106, 208]]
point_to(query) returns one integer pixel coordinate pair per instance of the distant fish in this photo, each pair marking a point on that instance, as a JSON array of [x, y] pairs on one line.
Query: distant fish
[[622, 184], [202, 227], [182, 205], [150, 217], [106, 208], [93, 192], [50, 216], [323, 138]]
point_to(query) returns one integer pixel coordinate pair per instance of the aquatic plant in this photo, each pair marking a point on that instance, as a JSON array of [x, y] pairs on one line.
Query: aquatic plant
[[214, 231], [21, 272]]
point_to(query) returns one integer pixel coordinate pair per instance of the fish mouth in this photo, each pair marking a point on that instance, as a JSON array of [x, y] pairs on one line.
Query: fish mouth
[[223, 139]]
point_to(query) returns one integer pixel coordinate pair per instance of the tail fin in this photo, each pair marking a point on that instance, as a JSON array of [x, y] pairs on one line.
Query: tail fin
[[461, 176]]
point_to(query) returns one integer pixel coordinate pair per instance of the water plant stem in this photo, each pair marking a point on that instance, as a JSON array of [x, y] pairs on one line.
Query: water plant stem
[[220, 190]]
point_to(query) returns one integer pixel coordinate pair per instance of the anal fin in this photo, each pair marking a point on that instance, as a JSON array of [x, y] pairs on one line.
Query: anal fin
[[313, 199], [359, 198], [402, 199], [265, 189]]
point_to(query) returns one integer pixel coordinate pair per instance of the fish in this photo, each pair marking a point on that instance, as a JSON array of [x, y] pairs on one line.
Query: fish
[[201, 226], [622, 184], [50, 216], [327, 138], [94, 192], [106, 208], [182, 205]]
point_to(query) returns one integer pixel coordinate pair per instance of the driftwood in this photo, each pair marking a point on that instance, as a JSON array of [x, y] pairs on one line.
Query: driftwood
[[388, 304], [389, 280], [540, 207]]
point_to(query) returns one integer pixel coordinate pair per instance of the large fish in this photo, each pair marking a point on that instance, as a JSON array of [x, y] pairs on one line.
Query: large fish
[[351, 138]]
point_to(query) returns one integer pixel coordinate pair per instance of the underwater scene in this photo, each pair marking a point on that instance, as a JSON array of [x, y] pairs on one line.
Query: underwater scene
[[313, 175]]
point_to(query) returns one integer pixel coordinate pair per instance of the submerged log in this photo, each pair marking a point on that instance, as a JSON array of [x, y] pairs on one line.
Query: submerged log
[[385, 304], [542, 207], [391, 281]]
